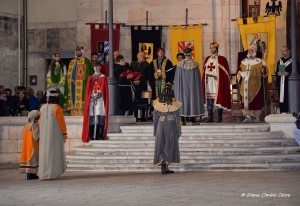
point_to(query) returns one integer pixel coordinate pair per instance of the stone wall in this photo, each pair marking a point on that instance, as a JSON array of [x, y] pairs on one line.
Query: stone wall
[[11, 134], [43, 40], [46, 34], [9, 51], [216, 13]]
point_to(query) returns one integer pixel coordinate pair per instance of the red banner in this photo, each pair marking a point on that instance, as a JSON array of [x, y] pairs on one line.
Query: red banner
[[100, 42]]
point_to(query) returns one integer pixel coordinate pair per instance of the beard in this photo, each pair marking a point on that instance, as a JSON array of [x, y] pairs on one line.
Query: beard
[[251, 55]]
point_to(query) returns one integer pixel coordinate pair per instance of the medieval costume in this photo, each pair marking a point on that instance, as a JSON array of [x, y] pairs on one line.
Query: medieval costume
[[29, 158], [283, 65], [167, 130], [216, 84], [57, 79], [95, 120], [188, 88], [52, 137], [142, 68], [126, 88], [163, 66], [251, 75], [78, 72]]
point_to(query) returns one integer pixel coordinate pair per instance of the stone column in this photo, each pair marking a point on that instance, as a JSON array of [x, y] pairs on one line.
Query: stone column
[[294, 79], [113, 88]]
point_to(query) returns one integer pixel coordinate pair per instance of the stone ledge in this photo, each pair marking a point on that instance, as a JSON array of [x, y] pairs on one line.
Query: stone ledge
[[11, 133], [281, 122]]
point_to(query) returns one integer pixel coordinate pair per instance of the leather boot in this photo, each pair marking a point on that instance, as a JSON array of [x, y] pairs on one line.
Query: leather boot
[[101, 134], [168, 170], [220, 112], [182, 121], [210, 116], [91, 132], [163, 167]]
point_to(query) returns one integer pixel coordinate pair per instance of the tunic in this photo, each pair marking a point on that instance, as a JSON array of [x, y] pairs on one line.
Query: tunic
[[29, 159], [78, 72], [287, 62], [141, 67], [52, 135], [126, 90], [188, 88], [167, 130], [216, 81], [56, 79], [158, 83], [252, 89], [96, 85]]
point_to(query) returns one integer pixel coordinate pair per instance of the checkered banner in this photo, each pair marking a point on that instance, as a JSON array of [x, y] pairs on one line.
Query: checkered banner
[[181, 38], [100, 42], [184, 44]]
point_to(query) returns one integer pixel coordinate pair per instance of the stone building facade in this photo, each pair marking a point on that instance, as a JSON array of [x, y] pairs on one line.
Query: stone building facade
[[61, 32]]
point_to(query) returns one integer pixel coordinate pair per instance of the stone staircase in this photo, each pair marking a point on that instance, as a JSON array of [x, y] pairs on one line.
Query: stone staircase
[[216, 147]]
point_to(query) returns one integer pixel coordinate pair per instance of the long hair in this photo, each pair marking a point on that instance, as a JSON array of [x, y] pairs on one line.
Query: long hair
[[166, 95]]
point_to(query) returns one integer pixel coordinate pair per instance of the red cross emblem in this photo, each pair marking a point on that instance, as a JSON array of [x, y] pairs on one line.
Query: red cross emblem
[[96, 88], [211, 67]]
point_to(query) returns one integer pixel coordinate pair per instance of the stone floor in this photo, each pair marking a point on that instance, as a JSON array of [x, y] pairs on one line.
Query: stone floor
[[153, 189]]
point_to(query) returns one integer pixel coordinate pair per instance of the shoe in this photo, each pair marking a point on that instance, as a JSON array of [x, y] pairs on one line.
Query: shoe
[[256, 119], [31, 176], [28, 176], [248, 119], [220, 118], [163, 167], [169, 171], [194, 123], [182, 123], [209, 120], [34, 177]]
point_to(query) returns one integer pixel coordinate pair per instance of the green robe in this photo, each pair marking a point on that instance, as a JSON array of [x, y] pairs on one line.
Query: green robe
[[78, 72], [57, 79]]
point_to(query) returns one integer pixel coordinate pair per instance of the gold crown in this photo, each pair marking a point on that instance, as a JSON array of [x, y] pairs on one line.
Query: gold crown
[[213, 43]]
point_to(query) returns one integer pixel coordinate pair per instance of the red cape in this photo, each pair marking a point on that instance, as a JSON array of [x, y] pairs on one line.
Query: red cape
[[102, 82], [223, 94]]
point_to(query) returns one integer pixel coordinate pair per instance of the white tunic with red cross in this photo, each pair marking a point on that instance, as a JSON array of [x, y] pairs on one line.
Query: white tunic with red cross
[[212, 72], [96, 102]]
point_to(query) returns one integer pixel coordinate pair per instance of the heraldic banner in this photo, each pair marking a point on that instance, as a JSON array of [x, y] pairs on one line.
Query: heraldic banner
[[278, 8], [146, 39], [262, 35], [100, 43], [181, 37]]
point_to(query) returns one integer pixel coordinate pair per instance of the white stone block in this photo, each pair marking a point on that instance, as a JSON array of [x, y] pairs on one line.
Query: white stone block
[[74, 143], [5, 157], [4, 132], [67, 145], [15, 158], [20, 145], [72, 131], [8, 146], [281, 122], [16, 132]]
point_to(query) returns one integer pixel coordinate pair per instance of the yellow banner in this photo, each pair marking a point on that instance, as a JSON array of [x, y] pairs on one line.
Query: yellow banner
[[269, 7], [262, 35], [181, 37]]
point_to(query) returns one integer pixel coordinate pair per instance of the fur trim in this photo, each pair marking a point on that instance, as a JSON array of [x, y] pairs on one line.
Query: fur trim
[[187, 64], [164, 107]]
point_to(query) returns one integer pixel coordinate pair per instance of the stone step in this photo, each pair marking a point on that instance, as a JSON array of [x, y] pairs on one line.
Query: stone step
[[200, 135], [186, 159], [184, 167], [89, 150], [197, 143], [212, 127]]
